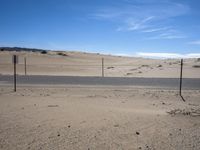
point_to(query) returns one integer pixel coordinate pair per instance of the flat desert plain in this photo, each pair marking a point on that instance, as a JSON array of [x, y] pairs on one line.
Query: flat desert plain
[[98, 117]]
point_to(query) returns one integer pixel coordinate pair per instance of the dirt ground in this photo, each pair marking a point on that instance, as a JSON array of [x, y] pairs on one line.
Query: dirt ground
[[97, 117]]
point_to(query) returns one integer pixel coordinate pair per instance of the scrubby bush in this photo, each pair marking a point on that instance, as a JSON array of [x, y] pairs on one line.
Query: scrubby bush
[[43, 52], [159, 66], [62, 54]]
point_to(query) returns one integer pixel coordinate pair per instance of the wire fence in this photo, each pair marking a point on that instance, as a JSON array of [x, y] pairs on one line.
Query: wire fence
[[103, 67]]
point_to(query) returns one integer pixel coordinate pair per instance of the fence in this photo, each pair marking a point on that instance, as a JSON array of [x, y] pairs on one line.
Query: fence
[[106, 67]]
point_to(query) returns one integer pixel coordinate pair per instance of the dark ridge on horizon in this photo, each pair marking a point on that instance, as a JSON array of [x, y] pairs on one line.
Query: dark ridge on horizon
[[19, 49]]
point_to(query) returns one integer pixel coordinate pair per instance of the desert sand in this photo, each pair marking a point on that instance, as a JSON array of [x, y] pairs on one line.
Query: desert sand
[[87, 64], [98, 117]]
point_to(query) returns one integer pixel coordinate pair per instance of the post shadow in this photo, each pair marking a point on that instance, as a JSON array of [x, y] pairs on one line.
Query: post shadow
[[182, 98], [181, 78]]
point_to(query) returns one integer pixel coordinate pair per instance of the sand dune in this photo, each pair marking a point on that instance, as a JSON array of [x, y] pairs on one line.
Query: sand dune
[[87, 64]]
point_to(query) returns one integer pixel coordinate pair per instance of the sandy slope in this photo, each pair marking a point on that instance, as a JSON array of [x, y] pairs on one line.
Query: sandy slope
[[86, 64], [98, 118]]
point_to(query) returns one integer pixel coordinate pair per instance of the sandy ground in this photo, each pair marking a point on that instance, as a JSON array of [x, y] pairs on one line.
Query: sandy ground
[[86, 64], [98, 118]]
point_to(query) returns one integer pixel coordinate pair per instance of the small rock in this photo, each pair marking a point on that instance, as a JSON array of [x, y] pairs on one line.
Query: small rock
[[159, 66], [138, 133]]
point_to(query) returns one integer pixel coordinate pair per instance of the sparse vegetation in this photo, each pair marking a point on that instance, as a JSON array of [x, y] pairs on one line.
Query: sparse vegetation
[[145, 66], [43, 52], [110, 67], [128, 74], [62, 54], [159, 66], [196, 66]]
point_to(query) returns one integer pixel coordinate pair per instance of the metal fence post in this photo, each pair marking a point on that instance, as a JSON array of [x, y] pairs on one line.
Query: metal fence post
[[102, 67], [181, 77], [25, 65], [181, 74], [15, 61]]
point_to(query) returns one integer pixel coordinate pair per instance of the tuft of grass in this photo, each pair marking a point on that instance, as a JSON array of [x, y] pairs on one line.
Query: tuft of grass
[[145, 66], [110, 67]]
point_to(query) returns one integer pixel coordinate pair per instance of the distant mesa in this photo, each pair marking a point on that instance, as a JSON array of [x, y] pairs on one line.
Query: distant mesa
[[19, 49]]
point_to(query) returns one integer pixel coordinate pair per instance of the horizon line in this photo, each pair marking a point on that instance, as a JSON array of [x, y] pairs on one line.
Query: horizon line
[[154, 55]]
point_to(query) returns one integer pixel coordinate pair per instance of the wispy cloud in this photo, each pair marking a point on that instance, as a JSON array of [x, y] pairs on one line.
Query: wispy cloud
[[150, 30], [133, 25], [144, 16], [169, 34], [139, 24], [195, 42], [167, 55]]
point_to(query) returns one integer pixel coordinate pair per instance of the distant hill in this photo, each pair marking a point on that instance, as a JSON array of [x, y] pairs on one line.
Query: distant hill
[[18, 49]]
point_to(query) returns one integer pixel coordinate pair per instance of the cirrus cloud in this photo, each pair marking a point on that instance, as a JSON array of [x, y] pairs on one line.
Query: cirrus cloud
[[145, 17]]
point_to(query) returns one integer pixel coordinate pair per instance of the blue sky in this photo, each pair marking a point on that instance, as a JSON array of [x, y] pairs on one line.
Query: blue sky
[[126, 27]]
